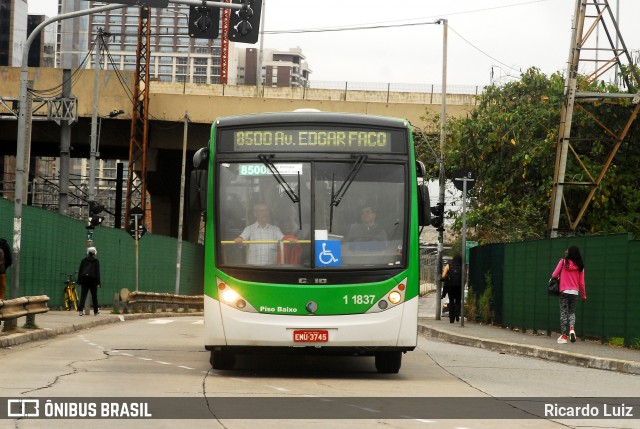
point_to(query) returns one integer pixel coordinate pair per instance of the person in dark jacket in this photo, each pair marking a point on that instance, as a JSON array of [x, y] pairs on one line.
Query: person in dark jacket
[[452, 276], [571, 272], [89, 279], [5, 262]]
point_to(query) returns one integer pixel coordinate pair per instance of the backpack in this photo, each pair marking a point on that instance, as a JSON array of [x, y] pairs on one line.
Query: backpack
[[3, 267], [88, 271], [454, 276]]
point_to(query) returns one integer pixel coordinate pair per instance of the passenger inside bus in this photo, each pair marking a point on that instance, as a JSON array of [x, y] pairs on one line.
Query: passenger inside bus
[[261, 253], [366, 236]]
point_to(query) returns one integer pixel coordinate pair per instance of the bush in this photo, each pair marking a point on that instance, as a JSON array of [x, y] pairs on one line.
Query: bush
[[486, 316], [471, 306]]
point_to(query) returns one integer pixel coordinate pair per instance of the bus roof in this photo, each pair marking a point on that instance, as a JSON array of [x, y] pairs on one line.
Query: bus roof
[[311, 117]]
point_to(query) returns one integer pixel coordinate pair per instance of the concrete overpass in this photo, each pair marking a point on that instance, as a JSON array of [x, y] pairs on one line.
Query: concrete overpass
[[167, 107]]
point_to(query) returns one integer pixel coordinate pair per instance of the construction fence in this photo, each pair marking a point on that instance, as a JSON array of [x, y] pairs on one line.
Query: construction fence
[[518, 274], [53, 245]]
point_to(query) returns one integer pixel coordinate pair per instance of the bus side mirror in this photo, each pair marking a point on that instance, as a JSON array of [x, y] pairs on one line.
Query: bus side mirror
[[198, 190], [421, 170], [424, 205]]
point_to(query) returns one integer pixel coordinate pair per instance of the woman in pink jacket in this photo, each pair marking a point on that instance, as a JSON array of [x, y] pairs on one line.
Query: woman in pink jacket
[[571, 272]]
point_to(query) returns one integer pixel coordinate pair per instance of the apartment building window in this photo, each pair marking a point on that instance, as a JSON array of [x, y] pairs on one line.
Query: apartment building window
[[165, 69], [200, 61], [115, 29], [165, 40], [200, 79], [164, 78], [200, 70], [181, 60], [166, 60], [165, 48], [181, 70]]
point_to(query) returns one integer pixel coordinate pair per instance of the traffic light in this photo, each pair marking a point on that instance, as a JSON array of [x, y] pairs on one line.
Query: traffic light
[[244, 24], [437, 219], [204, 22], [94, 215]]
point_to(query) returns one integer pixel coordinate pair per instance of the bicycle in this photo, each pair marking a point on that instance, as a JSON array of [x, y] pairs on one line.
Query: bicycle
[[70, 294]]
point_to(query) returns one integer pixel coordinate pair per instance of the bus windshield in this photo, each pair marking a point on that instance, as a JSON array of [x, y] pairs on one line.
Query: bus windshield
[[261, 225]]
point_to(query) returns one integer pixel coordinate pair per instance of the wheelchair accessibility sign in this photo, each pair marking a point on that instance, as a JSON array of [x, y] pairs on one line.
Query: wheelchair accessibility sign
[[328, 253]]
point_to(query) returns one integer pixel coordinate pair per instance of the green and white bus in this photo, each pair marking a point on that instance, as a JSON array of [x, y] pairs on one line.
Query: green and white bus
[[311, 242]]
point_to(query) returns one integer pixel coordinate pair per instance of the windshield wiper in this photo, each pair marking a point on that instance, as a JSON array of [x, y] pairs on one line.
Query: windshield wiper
[[338, 196], [295, 198]]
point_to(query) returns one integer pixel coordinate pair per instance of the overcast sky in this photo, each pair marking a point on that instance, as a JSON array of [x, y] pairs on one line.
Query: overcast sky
[[506, 36]]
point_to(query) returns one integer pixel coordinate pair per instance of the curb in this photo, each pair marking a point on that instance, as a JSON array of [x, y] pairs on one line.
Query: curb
[[18, 338], [618, 365]]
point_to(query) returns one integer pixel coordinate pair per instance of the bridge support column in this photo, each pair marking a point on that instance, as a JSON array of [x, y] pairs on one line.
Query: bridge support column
[[163, 183]]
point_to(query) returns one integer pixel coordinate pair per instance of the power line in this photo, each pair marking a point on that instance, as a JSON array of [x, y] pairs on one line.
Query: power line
[[396, 23], [481, 51]]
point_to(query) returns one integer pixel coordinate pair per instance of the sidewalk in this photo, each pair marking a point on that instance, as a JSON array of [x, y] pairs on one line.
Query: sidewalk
[[56, 322], [587, 353], [590, 354]]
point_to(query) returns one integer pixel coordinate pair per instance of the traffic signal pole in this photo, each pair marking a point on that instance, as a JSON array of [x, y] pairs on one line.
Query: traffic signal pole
[[23, 141], [442, 179]]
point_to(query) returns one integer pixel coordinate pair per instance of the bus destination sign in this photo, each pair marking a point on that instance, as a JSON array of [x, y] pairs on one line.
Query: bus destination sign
[[311, 140]]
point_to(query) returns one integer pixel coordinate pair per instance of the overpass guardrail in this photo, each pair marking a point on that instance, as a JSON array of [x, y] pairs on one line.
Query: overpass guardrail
[[29, 306], [149, 302]]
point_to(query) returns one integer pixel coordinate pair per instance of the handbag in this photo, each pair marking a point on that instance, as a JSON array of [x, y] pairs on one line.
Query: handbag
[[553, 289], [554, 286]]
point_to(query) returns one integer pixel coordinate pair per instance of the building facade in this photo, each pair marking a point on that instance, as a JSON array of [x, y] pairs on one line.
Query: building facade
[[279, 68], [173, 55], [42, 50], [13, 31]]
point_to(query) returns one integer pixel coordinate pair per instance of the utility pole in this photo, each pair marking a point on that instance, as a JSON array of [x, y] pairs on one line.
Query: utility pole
[[181, 211], [442, 178], [94, 118], [260, 54]]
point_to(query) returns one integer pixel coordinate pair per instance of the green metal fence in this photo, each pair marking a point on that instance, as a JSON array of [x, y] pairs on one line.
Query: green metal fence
[[53, 244], [520, 272]]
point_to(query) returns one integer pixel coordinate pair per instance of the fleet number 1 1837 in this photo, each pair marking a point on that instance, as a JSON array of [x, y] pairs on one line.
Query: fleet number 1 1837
[[359, 299]]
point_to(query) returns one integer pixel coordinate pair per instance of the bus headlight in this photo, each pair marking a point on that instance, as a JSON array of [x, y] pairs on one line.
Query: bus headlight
[[229, 296], [395, 297]]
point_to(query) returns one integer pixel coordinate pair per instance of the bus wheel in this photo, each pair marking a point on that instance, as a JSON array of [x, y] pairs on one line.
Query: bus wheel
[[222, 359], [388, 362]]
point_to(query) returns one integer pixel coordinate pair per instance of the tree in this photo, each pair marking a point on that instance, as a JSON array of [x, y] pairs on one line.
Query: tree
[[509, 141]]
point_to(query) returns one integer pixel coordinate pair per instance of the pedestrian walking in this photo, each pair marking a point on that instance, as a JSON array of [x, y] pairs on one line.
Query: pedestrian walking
[[570, 269], [89, 279], [452, 276]]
